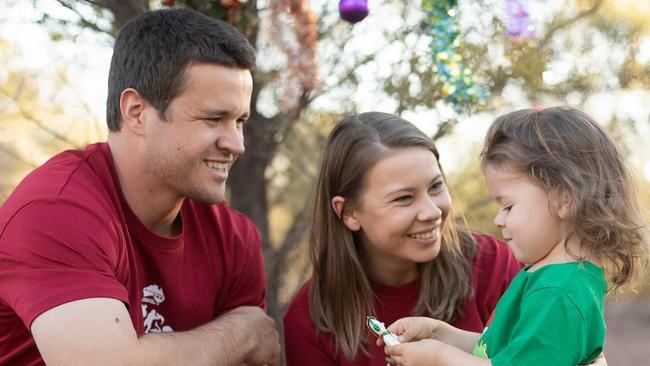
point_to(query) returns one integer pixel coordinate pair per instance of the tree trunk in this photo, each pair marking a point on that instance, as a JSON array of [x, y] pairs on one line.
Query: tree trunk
[[248, 184]]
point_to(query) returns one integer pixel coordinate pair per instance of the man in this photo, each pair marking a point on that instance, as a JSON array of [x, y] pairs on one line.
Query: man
[[123, 254]]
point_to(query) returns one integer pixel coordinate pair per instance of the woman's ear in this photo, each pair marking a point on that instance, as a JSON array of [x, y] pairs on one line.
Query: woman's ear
[[346, 215]]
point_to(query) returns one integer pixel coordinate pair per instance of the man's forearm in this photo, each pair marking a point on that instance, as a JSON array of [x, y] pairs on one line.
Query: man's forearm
[[99, 331], [220, 342]]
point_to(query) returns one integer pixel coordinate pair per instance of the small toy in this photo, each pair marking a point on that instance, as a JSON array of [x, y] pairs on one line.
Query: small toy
[[379, 329]]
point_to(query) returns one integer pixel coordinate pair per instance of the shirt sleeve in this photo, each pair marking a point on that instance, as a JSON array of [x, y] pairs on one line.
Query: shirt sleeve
[[551, 333], [52, 253]]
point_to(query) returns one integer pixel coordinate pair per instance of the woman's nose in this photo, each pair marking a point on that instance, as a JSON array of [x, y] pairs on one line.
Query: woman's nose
[[430, 211]]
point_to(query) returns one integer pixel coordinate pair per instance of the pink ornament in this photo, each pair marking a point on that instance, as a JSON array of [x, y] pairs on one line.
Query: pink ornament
[[353, 10]]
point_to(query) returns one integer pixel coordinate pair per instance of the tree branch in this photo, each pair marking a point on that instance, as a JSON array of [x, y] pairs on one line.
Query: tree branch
[[17, 157], [82, 20], [566, 22]]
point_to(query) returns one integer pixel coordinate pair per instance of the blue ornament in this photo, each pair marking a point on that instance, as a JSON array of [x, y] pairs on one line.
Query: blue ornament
[[353, 10], [458, 86]]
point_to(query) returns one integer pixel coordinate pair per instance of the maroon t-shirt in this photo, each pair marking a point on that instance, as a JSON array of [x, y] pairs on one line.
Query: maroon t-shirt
[[494, 268], [67, 233]]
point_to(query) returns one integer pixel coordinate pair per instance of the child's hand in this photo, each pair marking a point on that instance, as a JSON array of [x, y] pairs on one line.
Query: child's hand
[[414, 353], [414, 328]]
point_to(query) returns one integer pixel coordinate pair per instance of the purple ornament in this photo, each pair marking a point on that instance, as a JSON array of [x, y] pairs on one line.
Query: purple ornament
[[519, 25], [353, 10]]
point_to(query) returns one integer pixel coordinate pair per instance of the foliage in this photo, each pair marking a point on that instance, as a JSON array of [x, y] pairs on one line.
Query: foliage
[[34, 124]]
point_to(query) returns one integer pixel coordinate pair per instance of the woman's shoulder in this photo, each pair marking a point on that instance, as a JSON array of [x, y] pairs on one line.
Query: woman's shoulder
[[298, 307], [492, 254], [297, 318]]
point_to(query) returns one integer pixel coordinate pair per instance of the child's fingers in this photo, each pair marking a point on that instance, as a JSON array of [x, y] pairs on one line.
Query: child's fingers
[[393, 351], [406, 329]]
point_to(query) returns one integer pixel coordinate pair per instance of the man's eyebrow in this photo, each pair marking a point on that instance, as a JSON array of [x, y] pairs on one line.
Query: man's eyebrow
[[221, 112], [214, 112]]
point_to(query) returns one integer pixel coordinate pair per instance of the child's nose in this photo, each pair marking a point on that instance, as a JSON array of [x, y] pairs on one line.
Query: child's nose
[[499, 219]]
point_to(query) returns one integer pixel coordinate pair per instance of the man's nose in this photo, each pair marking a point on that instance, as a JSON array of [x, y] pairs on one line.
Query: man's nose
[[231, 139]]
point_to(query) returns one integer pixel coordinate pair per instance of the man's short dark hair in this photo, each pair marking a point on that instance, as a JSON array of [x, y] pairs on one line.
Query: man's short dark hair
[[152, 52]]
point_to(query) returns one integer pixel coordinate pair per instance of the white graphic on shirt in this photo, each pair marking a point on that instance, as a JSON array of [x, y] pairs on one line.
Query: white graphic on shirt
[[152, 296]]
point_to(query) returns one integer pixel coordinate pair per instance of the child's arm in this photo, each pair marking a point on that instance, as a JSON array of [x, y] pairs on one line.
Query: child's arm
[[430, 352], [417, 328]]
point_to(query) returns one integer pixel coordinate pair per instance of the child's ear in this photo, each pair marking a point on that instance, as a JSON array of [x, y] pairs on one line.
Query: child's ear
[[565, 205], [346, 215]]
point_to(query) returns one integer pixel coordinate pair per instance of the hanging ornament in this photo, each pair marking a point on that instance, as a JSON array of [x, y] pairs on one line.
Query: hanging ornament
[[353, 10], [519, 25], [458, 85]]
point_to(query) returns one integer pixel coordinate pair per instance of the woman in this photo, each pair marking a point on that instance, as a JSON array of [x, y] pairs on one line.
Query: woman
[[384, 243]]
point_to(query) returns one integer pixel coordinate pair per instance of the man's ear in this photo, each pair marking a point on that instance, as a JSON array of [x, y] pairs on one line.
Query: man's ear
[[346, 215], [132, 106]]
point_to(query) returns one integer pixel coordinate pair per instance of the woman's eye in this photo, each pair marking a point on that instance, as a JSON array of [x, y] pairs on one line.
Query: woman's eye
[[436, 186], [402, 199]]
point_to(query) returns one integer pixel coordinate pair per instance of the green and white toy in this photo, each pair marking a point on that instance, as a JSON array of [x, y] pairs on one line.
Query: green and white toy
[[380, 330]]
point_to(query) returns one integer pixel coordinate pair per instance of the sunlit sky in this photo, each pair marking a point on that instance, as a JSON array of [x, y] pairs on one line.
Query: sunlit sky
[[88, 60]]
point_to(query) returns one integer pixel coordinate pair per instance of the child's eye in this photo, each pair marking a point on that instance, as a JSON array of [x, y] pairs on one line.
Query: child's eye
[[506, 208]]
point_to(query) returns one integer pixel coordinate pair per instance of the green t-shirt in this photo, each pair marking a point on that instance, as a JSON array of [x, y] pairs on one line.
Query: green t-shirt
[[552, 316]]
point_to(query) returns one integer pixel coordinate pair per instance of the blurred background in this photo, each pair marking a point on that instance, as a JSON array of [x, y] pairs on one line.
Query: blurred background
[[450, 67]]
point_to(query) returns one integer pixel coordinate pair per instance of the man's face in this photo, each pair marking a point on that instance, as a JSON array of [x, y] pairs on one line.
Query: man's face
[[190, 153]]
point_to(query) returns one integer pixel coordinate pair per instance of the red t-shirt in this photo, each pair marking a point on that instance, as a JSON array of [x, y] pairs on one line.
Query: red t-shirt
[[494, 268], [67, 233]]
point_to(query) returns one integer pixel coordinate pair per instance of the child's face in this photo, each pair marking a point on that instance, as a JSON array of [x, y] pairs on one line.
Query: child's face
[[528, 218], [401, 213]]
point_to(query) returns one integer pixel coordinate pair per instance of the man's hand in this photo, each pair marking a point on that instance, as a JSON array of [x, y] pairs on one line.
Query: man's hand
[[262, 333]]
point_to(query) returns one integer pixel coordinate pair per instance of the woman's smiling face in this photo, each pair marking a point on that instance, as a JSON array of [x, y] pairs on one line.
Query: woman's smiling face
[[401, 212]]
